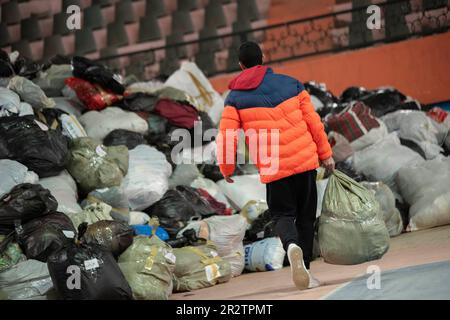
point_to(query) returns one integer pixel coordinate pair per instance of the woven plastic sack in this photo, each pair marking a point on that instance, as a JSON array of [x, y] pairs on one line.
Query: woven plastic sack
[[148, 265], [13, 173], [386, 199], [199, 267], [94, 166], [30, 93], [351, 227], [190, 78], [147, 178], [264, 255], [425, 186], [99, 124]]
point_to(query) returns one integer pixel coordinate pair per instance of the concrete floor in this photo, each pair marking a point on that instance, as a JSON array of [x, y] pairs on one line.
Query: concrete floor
[[408, 249]]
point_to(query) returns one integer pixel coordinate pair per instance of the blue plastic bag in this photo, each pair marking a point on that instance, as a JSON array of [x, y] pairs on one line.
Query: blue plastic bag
[[146, 230]]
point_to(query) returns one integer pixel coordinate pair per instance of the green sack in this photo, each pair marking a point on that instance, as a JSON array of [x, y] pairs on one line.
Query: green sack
[[95, 166], [148, 265], [351, 226], [199, 267]]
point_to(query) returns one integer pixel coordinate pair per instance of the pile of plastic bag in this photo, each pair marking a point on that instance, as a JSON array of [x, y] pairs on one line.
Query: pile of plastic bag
[[113, 181]]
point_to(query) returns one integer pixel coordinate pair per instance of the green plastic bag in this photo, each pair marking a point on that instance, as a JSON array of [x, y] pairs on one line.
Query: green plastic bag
[[199, 267], [351, 226], [95, 166], [11, 256], [148, 265]]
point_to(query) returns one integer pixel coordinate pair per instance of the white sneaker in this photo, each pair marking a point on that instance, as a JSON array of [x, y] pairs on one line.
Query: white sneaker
[[300, 274], [313, 282]]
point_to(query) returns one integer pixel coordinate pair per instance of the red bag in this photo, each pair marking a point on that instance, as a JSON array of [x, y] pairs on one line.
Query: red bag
[[437, 114], [91, 95], [354, 121], [178, 114], [219, 207]]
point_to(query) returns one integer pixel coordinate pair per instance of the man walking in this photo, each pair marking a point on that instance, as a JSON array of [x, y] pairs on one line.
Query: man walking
[[261, 100]]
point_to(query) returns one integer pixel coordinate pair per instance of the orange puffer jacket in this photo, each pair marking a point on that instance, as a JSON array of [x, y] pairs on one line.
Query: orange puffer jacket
[[284, 134]]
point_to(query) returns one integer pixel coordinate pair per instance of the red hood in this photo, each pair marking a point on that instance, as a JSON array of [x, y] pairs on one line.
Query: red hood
[[248, 79]]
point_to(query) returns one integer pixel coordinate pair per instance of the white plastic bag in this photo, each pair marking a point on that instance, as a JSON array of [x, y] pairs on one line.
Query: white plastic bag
[[227, 233], [419, 128], [244, 189], [191, 79], [321, 187], [27, 280], [99, 124], [51, 81], [147, 177], [264, 255], [425, 186], [381, 161], [69, 106], [184, 175], [64, 189], [10, 104], [30, 93], [13, 173]]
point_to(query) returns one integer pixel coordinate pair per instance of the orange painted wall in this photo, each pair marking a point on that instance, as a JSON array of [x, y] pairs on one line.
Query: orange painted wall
[[419, 68]]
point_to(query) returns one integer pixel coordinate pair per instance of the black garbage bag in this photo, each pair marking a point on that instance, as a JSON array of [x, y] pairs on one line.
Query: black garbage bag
[[100, 277], [96, 73], [27, 68], [124, 137], [345, 167], [177, 207], [353, 93], [200, 128], [56, 60], [115, 236], [139, 101], [157, 128], [262, 227], [50, 117], [23, 203], [41, 237], [210, 171], [6, 68], [328, 100], [31, 143], [384, 101]]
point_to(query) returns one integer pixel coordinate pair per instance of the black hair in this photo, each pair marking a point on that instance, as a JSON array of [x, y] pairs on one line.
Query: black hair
[[250, 54]]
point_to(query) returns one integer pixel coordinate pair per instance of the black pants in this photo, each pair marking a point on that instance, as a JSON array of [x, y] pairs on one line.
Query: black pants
[[292, 203]]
